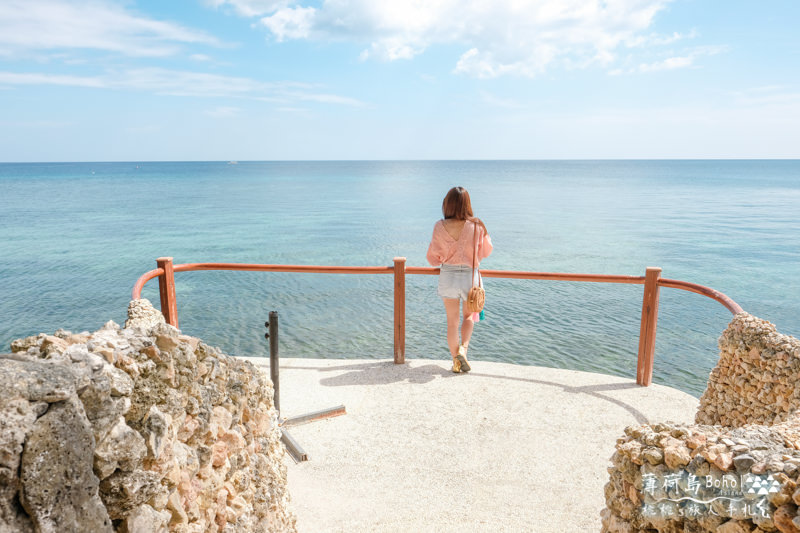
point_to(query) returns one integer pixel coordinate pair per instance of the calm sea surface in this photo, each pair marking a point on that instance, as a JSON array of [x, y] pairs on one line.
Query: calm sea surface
[[74, 237]]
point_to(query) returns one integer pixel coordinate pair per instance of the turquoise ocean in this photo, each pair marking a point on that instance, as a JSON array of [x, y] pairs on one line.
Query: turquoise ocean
[[74, 238]]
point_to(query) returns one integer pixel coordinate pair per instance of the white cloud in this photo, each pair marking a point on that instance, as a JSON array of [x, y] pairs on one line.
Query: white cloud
[[184, 83], [659, 40], [14, 78], [391, 49], [250, 8], [329, 99], [486, 65], [31, 26], [667, 64], [499, 37], [683, 61], [290, 23]]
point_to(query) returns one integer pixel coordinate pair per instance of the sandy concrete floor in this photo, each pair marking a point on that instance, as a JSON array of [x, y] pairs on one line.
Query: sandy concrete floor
[[503, 448]]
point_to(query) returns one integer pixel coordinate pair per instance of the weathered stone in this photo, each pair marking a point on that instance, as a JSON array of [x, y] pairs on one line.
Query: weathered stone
[[743, 462], [724, 461], [79, 353], [22, 345], [749, 419], [122, 447], [121, 383], [760, 385], [124, 491], [60, 493], [166, 337], [191, 341], [76, 338], [52, 346], [142, 315], [677, 456], [783, 516], [199, 452], [17, 417], [34, 381], [152, 352], [653, 455], [734, 526], [175, 506], [145, 519], [156, 431]]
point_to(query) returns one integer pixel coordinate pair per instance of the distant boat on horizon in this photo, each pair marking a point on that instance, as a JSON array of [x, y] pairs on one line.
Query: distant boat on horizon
[[233, 162]]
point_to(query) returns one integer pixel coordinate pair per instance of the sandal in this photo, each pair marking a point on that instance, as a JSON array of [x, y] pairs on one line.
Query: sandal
[[462, 359], [456, 366]]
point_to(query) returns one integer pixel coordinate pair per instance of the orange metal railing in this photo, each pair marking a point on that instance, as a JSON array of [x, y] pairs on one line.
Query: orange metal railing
[[652, 282]]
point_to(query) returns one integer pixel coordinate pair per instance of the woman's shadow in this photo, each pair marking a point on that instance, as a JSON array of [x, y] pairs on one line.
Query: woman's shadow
[[379, 373]]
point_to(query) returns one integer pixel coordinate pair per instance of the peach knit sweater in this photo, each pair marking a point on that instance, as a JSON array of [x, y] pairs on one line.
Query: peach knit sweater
[[446, 250]]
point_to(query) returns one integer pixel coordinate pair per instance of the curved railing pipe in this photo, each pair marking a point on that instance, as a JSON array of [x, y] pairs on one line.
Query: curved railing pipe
[[729, 304], [136, 293], [652, 282]]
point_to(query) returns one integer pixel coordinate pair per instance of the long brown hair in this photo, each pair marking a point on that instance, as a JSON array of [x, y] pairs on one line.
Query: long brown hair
[[457, 205]]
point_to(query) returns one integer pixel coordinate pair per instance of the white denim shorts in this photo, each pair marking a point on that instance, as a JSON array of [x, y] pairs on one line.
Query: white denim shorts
[[455, 281]]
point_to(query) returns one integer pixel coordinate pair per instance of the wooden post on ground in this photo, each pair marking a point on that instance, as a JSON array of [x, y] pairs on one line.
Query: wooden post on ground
[[399, 310], [166, 288], [647, 329]]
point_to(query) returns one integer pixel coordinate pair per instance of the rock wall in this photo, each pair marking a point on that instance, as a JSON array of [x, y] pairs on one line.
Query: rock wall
[[671, 478], [137, 429], [737, 469], [755, 379]]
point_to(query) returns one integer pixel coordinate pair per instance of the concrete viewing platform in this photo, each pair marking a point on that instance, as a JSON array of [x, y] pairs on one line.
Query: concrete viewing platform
[[503, 448]]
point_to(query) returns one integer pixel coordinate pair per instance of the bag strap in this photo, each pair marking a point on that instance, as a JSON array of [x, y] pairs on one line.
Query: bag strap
[[474, 250]]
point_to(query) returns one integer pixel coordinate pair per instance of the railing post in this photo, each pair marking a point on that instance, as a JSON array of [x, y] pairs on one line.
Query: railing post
[[274, 360], [399, 310], [166, 288], [647, 329]]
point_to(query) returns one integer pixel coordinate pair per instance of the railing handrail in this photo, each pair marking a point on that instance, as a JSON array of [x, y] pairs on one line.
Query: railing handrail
[[725, 300], [337, 269], [652, 282], [136, 293], [253, 267], [552, 276]]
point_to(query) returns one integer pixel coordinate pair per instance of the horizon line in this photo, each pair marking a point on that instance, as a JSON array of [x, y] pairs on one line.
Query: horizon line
[[410, 160]]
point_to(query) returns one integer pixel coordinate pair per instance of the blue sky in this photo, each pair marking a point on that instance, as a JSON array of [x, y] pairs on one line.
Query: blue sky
[[112, 80]]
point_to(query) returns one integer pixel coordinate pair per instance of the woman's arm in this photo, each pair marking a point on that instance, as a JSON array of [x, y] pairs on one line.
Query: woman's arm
[[436, 248], [484, 247]]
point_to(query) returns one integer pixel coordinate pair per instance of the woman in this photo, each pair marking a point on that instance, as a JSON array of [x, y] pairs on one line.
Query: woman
[[453, 246]]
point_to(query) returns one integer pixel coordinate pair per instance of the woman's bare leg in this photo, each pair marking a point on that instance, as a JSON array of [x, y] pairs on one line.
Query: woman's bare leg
[[467, 325], [451, 307]]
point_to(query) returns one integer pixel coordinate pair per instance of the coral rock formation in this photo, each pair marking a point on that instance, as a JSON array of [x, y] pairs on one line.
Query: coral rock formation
[[736, 470], [137, 429]]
